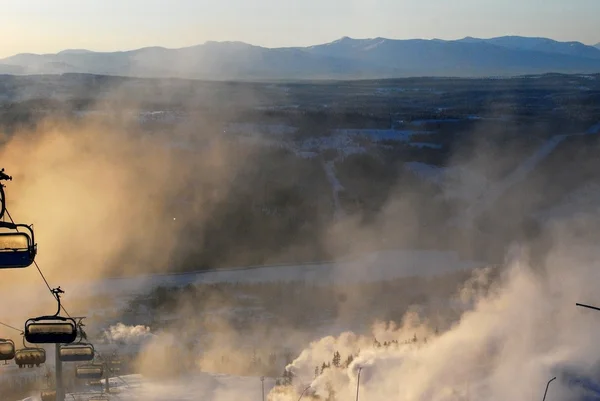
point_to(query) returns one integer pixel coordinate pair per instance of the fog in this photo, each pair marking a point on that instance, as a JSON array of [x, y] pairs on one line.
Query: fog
[[108, 199]]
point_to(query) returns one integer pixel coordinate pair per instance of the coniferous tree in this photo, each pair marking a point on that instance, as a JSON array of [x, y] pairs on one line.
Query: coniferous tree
[[349, 360], [323, 367], [316, 371], [414, 340], [336, 359]]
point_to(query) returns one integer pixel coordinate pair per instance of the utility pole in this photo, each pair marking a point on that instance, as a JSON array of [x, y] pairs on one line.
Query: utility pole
[[262, 380], [60, 391], [358, 382]]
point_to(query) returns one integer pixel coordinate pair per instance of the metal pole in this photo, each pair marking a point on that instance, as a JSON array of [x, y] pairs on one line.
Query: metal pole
[[106, 378], [262, 380], [548, 385], [358, 383], [60, 391]]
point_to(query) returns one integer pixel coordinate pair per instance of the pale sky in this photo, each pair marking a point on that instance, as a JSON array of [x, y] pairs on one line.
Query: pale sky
[[48, 26]]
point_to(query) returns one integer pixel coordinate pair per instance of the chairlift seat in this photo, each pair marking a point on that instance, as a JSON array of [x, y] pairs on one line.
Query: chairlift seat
[[30, 357], [76, 353], [89, 371], [17, 250], [50, 330], [7, 350], [48, 395]]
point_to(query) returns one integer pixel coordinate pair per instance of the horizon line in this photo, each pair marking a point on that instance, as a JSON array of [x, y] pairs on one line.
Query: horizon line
[[292, 47]]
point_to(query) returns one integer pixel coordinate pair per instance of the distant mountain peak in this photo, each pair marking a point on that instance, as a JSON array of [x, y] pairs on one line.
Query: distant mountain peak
[[346, 57], [75, 51], [597, 45]]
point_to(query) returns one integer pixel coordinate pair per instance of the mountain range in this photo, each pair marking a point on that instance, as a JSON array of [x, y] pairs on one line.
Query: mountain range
[[345, 58]]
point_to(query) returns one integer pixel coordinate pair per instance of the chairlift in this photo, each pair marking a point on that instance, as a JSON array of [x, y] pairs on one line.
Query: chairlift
[[7, 350], [93, 371], [51, 329], [30, 356], [76, 353], [80, 351], [17, 247], [48, 395]]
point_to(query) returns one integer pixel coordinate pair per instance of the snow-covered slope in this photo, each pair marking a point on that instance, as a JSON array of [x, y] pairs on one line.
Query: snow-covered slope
[[199, 386]]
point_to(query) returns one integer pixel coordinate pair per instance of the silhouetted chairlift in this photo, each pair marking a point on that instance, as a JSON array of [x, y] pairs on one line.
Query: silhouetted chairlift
[[51, 329], [17, 247], [30, 356], [48, 395], [93, 371], [7, 350], [77, 352]]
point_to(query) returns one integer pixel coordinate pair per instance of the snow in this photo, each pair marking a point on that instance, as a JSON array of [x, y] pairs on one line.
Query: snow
[[260, 129], [195, 386], [371, 267], [583, 202], [520, 173], [457, 182], [377, 134], [517, 175], [434, 121], [336, 187], [594, 129]]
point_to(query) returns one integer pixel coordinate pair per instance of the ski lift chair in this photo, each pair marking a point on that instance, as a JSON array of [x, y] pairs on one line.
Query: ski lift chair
[[30, 356], [48, 395], [51, 329], [76, 353], [17, 248], [91, 371], [7, 350]]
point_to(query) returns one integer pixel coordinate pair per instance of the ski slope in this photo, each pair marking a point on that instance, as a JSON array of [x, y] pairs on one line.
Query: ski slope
[[197, 386], [519, 174], [371, 267]]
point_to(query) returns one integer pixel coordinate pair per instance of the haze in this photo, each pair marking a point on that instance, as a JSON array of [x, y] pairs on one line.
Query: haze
[[41, 26]]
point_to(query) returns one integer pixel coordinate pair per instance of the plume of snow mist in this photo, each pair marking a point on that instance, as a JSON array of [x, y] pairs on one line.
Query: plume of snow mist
[[129, 335], [509, 342]]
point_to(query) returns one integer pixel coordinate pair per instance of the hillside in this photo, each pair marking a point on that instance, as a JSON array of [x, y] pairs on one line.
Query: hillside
[[345, 58], [419, 153]]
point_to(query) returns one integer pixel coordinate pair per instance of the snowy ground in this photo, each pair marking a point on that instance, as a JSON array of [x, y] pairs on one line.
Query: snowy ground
[[377, 266], [200, 386]]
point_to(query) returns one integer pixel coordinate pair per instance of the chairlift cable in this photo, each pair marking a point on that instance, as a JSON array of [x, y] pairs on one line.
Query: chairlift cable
[[34, 262], [39, 269], [11, 327]]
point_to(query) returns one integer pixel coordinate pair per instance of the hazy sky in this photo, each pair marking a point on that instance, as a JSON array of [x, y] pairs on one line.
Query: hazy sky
[[48, 26]]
